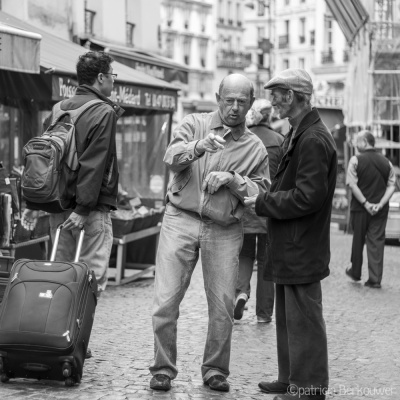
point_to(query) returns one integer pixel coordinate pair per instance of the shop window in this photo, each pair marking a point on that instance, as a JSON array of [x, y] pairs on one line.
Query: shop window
[[141, 144], [10, 137]]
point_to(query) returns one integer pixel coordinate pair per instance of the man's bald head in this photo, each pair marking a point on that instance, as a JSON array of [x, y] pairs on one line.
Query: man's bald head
[[236, 80], [235, 97], [365, 140], [368, 136]]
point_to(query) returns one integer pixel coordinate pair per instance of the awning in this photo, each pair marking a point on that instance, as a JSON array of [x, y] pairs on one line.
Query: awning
[[58, 59], [147, 62], [19, 50], [350, 15]]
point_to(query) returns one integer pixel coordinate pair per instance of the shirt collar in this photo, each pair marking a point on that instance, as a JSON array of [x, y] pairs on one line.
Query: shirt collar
[[236, 131]]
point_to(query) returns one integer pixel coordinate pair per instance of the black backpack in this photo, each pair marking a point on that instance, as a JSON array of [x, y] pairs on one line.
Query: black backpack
[[51, 162]]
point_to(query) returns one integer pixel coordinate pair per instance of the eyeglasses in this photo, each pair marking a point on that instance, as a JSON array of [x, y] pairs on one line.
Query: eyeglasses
[[109, 73], [231, 102]]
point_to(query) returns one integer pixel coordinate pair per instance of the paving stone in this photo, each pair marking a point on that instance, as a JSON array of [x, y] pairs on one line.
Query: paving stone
[[363, 341]]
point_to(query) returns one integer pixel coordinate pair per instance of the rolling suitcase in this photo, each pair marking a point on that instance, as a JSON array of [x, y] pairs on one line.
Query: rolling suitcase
[[46, 318]]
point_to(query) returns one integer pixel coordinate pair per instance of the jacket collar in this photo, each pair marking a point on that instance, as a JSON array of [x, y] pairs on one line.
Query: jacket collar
[[87, 89], [309, 119], [236, 131]]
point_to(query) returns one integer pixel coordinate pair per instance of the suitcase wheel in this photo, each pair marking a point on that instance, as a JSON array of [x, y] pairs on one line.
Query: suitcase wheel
[[69, 382], [4, 378]]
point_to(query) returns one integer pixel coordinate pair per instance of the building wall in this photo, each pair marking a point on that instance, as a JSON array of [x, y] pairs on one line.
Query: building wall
[[187, 37]]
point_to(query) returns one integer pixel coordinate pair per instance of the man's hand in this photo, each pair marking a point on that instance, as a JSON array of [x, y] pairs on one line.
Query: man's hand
[[376, 208], [75, 221], [214, 180], [370, 208], [250, 202], [212, 143], [29, 219]]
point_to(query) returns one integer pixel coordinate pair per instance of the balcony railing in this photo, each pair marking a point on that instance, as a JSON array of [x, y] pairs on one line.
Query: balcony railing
[[233, 59], [327, 57], [283, 41]]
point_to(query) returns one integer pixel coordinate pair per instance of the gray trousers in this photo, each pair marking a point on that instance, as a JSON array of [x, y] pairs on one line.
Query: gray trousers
[[370, 230], [301, 336]]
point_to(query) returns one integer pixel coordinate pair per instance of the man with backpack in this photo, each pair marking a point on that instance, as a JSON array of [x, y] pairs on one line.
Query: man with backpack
[[96, 183]]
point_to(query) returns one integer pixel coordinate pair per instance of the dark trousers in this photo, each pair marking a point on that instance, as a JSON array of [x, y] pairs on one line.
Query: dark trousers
[[301, 336], [254, 248], [370, 230]]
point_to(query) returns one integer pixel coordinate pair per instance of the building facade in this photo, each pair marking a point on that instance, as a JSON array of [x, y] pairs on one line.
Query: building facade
[[187, 37]]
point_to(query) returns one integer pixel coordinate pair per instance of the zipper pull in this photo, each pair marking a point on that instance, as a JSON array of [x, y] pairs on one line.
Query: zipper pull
[[14, 277], [66, 334]]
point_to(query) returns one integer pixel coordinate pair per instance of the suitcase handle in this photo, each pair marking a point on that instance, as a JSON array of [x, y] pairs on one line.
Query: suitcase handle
[[57, 238]]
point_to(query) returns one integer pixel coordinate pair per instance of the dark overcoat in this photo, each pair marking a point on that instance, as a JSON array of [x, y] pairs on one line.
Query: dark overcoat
[[299, 206]]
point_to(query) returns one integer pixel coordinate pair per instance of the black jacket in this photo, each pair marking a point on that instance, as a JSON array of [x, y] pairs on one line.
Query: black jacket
[[95, 139], [299, 206]]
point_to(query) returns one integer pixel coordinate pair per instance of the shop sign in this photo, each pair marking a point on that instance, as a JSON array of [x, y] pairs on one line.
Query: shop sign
[[335, 102], [124, 95]]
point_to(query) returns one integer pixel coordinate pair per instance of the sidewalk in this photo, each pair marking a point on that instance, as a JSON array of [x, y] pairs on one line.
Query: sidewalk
[[363, 328]]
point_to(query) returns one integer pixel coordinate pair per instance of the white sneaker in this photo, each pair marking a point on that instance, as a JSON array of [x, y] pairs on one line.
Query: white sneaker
[[241, 301]]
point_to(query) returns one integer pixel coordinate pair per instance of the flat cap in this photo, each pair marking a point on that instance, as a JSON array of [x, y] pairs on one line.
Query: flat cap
[[294, 79]]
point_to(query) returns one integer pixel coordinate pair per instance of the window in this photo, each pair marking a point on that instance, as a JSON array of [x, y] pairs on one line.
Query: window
[[169, 46], [129, 33], [229, 12], [285, 64], [220, 12], [287, 2], [203, 52], [187, 42], [238, 43], [261, 32], [261, 8], [328, 33], [89, 19], [260, 60], [238, 14], [170, 14], [312, 38], [186, 14], [203, 20], [301, 63], [302, 30]]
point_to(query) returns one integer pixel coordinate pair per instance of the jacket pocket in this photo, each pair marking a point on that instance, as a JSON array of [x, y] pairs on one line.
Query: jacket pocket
[[180, 180]]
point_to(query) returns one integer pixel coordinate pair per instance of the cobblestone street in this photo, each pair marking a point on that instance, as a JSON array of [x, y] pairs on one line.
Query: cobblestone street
[[363, 328]]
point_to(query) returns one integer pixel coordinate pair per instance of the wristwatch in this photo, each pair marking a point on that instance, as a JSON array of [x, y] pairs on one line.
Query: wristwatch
[[364, 202]]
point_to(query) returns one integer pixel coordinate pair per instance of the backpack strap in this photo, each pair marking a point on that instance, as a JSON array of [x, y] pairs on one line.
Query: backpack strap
[[75, 114], [58, 112]]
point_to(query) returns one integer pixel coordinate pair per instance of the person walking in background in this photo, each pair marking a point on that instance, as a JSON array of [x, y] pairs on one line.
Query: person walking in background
[[254, 227], [216, 162], [298, 239], [371, 178], [97, 182]]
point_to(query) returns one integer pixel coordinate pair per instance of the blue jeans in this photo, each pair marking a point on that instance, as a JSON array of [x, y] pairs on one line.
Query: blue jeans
[[96, 246], [182, 235], [254, 247]]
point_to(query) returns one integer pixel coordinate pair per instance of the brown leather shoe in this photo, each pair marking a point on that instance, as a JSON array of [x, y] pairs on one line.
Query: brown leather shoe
[[349, 273], [160, 382], [218, 382], [273, 387]]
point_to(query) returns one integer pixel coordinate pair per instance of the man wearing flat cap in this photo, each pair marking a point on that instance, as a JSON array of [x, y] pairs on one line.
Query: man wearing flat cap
[[298, 239]]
